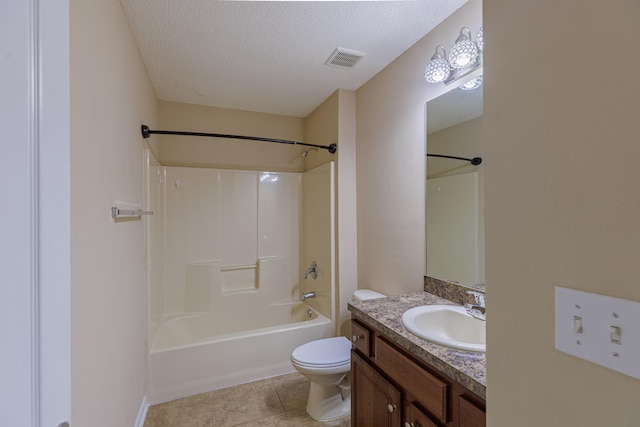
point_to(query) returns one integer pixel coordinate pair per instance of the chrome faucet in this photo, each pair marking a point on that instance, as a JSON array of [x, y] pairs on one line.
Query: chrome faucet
[[306, 295], [477, 309], [313, 270]]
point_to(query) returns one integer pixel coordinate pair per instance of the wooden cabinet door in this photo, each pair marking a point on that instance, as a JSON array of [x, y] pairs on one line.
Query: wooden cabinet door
[[375, 402], [470, 414], [431, 392], [414, 417]]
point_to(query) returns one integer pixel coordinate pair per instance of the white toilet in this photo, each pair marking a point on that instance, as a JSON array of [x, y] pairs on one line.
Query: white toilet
[[326, 362]]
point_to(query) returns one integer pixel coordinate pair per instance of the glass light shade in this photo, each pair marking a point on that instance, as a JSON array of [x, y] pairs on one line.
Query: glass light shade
[[472, 84], [464, 51], [480, 40], [438, 69]]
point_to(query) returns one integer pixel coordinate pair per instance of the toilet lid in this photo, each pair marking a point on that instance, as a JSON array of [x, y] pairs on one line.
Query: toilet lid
[[323, 352]]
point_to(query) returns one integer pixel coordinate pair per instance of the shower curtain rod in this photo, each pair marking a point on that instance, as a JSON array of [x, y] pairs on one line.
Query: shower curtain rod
[[475, 161], [146, 133]]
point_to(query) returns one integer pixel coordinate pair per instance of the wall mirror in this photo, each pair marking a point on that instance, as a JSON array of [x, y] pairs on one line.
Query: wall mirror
[[455, 188]]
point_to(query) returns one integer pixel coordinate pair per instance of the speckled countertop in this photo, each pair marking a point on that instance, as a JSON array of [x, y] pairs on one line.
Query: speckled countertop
[[384, 314]]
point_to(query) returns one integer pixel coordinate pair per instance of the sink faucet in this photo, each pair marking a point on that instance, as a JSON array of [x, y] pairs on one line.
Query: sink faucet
[[306, 295], [313, 270], [477, 309]]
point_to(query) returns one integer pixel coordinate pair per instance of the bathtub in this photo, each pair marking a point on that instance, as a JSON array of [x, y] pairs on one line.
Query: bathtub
[[198, 353]]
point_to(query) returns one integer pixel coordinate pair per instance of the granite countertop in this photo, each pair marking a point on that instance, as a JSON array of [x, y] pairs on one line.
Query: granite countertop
[[384, 314]]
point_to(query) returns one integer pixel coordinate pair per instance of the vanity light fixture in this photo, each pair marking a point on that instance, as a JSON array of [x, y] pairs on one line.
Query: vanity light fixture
[[438, 68], [464, 51], [464, 57], [472, 84]]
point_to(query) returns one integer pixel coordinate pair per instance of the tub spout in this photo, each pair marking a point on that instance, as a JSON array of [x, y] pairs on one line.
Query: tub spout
[[306, 295]]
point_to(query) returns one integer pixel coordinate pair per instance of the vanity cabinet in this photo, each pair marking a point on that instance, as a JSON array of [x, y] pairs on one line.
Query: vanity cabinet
[[378, 401], [390, 387]]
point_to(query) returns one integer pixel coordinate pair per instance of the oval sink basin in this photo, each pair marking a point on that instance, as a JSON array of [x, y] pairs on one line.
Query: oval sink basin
[[447, 325]]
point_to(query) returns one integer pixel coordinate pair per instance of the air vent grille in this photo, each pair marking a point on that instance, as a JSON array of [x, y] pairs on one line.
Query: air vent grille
[[344, 58]]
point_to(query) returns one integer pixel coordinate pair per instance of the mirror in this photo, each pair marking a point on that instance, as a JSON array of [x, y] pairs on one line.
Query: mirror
[[455, 188]]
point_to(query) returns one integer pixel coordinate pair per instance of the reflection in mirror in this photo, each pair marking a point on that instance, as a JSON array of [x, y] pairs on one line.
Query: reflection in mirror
[[455, 188]]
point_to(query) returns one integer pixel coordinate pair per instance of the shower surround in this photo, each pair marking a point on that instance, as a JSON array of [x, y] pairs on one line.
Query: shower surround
[[225, 253]]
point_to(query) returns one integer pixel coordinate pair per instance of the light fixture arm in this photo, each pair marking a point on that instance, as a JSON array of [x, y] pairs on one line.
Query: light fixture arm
[[465, 34], [440, 53]]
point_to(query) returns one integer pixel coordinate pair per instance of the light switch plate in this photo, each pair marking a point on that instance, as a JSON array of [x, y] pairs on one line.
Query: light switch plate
[[610, 329]]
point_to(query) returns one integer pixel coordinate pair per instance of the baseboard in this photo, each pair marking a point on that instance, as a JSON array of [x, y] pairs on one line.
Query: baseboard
[[142, 412]]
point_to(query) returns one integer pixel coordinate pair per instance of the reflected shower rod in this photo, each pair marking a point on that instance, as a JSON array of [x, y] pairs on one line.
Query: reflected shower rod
[[146, 133], [475, 161]]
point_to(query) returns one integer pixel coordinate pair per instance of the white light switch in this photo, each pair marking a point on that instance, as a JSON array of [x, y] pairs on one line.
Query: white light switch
[[577, 325], [616, 334], [601, 329]]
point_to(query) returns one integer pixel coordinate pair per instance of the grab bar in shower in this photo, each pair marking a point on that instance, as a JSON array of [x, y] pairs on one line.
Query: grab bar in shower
[[238, 267]]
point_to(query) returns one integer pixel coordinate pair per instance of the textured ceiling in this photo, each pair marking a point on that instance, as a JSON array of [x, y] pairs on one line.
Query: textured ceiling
[[268, 56]]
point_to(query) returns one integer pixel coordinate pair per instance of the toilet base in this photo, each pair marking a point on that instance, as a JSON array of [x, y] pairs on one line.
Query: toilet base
[[326, 403]]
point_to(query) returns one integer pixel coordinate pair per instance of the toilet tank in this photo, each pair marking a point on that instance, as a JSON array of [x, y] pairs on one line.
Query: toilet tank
[[365, 294]]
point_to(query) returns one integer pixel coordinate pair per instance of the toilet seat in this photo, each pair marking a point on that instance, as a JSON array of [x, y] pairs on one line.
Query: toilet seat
[[323, 353]]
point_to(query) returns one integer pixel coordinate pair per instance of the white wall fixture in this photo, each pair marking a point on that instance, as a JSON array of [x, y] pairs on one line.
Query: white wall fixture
[[601, 329]]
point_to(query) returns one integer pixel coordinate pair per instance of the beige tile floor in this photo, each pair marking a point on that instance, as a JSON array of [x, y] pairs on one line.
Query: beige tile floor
[[274, 402]]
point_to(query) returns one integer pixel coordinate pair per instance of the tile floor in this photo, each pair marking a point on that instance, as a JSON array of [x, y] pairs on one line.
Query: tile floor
[[274, 402]]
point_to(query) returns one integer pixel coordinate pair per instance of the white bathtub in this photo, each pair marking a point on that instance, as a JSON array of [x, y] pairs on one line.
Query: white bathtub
[[195, 354]]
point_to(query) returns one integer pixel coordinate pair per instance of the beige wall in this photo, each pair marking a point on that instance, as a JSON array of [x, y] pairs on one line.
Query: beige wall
[[334, 122], [318, 237], [562, 207], [390, 162], [321, 128], [110, 97], [347, 246], [228, 153]]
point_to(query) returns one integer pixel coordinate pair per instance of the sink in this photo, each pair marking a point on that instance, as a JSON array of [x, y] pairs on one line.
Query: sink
[[447, 325]]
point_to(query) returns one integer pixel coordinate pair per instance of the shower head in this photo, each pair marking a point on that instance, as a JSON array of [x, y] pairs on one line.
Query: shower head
[[306, 152]]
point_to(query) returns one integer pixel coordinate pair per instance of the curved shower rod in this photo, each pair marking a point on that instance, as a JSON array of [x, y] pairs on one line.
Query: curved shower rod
[[475, 161], [146, 133]]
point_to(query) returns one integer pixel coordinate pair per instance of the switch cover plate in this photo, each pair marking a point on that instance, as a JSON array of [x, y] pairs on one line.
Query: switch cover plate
[[609, 332]]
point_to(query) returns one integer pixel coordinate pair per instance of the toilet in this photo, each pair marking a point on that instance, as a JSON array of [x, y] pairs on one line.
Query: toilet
[[325, 363]]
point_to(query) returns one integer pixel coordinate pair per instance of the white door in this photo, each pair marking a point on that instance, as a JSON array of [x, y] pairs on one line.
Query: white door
[[34, 213]]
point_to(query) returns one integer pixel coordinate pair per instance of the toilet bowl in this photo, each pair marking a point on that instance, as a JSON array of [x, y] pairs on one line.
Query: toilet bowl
[[325, 363]]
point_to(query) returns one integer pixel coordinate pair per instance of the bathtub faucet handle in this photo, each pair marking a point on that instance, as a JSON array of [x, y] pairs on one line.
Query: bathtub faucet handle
[[313, 270]]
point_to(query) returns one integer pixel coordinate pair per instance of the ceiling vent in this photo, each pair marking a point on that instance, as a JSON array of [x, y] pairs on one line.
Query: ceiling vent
[[344, 58]]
